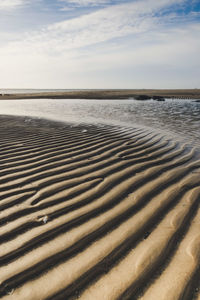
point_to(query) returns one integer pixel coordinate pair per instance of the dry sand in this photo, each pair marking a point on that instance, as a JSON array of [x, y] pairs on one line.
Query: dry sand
[[97, 212], [108, 94]]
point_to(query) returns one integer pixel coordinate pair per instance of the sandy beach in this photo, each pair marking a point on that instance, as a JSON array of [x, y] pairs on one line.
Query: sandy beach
[[97, 212], [99, 150], [139, 94]]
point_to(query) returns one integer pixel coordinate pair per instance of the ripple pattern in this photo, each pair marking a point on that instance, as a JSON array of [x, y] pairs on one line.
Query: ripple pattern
[[97, 212]]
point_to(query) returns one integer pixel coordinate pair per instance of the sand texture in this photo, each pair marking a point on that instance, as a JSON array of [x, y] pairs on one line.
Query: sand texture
[[139, 94], [97, 212]]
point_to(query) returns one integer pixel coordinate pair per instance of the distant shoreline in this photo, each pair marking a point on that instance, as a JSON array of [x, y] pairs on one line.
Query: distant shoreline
[[138, 94]]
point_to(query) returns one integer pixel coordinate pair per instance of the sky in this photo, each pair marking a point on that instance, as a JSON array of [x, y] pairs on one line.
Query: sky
[[100, 44]]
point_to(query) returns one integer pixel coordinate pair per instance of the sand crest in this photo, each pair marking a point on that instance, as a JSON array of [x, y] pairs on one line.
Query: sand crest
[[97, 212]]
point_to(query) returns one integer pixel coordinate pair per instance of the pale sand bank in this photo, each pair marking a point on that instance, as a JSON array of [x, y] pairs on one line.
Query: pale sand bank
[[97, 212], [140, 94]]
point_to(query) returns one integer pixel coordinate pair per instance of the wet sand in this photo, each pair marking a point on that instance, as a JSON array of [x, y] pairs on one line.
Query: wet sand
[[108, 94], [97, 212]]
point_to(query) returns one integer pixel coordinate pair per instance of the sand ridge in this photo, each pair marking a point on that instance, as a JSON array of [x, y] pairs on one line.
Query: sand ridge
[[139, 94], [96, 212]]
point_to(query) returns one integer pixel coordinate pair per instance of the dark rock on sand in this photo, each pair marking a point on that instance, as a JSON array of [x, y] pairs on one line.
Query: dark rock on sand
[[158, 98], [142, 97]]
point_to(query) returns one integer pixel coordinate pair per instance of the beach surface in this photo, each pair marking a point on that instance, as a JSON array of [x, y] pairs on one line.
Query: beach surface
[[97, 211], [140, 94]]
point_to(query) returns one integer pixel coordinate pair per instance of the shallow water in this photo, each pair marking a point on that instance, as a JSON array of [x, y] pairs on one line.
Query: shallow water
[[180, 118]]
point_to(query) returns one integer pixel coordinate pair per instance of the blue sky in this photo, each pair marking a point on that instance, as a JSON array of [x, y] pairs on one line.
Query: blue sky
[[99, 44]]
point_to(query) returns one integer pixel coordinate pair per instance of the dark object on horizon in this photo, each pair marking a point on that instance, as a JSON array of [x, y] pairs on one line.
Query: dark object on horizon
[[142, 97], [158, 98], [197, 101]]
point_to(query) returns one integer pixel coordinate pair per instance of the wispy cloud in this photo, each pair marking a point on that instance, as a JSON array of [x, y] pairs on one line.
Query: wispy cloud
[[99, 26], [86, 2], [83, 3], [11, 4], [144, 42]]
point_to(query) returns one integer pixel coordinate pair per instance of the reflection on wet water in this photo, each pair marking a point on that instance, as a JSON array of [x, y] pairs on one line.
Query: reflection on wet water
[[180, 117]]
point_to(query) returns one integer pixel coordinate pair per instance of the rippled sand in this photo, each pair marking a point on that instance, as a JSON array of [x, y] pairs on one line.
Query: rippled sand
[[97, 212]]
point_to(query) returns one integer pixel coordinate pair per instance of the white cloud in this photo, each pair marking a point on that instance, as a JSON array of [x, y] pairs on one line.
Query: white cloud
[[160, 59], [11, 4], [82, 3], [96, 27], [86, 2], [82, 52]]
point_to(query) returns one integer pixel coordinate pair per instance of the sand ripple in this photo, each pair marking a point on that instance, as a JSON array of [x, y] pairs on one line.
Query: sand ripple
[[97, 212]]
